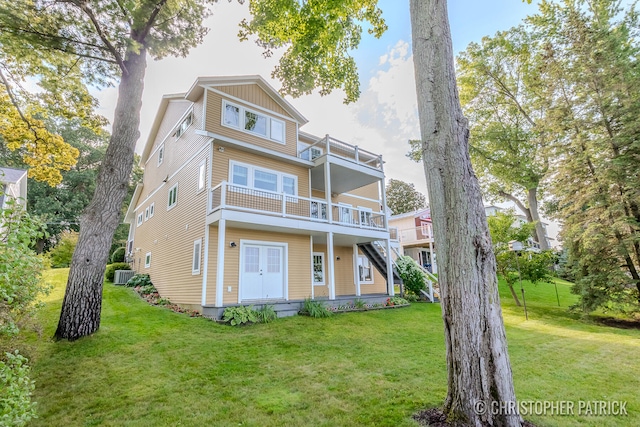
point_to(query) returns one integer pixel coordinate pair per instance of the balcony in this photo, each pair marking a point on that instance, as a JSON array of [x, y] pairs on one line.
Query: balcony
[[416, 235], [239, 198], [334, 147]]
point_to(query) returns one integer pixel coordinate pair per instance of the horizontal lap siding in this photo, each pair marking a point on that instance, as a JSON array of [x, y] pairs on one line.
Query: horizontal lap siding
[[169, 236], [254, 94], [344, 270], [379, 285], [212, 270], [369, 191], [221, 167], [214, 124]]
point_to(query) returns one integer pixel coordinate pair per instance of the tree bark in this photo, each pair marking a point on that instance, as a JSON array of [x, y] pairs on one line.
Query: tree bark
[[479, 371], [80, 315], [532, 199]]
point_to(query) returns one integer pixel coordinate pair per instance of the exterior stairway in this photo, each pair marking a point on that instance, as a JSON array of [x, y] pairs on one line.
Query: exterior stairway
[[379, 260]]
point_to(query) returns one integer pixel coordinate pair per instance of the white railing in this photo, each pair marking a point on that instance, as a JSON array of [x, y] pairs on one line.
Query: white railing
[[416, 234], [236, 197], [332, 146]]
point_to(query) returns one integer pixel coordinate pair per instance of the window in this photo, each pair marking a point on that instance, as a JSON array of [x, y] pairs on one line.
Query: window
[[197, 249], [140, 219], [318, 268], [202, 176], [365, 272], [147, 260], [173, 197], [253, 122], [365, 216], [182, 127], [319, 210], [262, 179], [152, 208], [146, 213], [129, 247], [160, 155], [308, 153]]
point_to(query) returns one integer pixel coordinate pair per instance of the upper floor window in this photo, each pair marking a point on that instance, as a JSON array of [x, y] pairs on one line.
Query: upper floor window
[[251, 121], [173, 196], [140, 218], [160, 155], [184, 124], [202, 176], [152, 208], [262, 179], [146, 213]]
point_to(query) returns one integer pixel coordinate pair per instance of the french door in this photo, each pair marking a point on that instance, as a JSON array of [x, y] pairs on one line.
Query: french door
[[261, 271]]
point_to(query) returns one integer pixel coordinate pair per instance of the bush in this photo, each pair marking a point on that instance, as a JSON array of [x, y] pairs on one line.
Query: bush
[[240, 315], [110, 272], [118, 255], [411, 274], [62, 253], [16, 407], [266, 314], [315, 308], [139, 280]]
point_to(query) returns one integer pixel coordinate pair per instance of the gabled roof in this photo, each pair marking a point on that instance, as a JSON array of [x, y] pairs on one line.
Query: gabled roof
[[197, 89], [11, 176]]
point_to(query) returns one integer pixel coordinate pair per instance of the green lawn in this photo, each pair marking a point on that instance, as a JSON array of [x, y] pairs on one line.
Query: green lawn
[[148, 366]]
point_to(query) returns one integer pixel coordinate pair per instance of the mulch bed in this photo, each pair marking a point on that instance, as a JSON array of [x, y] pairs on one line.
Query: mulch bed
[[436, 418], [619, 323]]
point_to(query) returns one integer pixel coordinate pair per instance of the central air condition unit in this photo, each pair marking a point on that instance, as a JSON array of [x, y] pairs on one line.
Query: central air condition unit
[[122, 276]]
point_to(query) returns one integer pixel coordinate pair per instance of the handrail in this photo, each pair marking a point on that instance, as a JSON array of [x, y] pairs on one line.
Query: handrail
[[335, 147]]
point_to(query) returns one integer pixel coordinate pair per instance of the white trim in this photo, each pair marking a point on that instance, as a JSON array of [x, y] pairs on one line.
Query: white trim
[[175, 198], [390, 285], [251, 169], [362, 281], [205, 268], [196, 244], [160, 151], [146, 213], [171, 132], [331, 266], [152, 209], [311, 260], [356, 275], [222, 228], [202, 173], [177, 131], [147, 260], [139, 219], [251, 105], [242, 114], [313, 270], [285, 267]]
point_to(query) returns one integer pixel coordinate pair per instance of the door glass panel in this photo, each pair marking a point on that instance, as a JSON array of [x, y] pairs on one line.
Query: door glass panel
[[318, 269], [273, 260], [251, 259]]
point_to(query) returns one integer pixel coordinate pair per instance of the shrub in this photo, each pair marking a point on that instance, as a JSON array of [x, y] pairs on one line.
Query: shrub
[[396, 301], [147, 289], [266, 314], [240, 315], [315, 308], [411, 274], [16, 407], [118, 255], [139, 280], [62, 253], [359, 304], [110, 272]]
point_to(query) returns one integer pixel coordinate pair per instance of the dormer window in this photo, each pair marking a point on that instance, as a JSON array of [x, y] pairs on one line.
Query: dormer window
[[182, 127], [253, 122]]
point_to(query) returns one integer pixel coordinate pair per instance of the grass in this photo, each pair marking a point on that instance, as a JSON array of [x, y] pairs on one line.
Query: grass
[[148, 366]]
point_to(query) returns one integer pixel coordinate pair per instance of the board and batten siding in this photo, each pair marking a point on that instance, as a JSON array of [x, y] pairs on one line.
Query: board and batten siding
[[213, 123], [169, 236], [221, 167]]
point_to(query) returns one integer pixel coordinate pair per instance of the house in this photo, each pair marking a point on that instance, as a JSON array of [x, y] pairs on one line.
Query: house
[[414, 232], [13, 185], [240, 206]]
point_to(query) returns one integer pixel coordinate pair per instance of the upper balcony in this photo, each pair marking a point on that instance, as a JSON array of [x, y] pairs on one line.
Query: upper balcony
[[416, 235], [226, 196], [350, 167]]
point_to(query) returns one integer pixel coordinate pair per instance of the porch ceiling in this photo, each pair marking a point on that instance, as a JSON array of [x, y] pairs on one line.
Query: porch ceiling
[[345, 176]]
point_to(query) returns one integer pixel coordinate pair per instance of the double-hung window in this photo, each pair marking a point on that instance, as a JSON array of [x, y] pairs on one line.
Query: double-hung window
[[173, 197], [262, 179], [147, 260], [160, 155], [140, 219], [197, 250], [365, 272], [254, 122], [202, 176], [318, 268]]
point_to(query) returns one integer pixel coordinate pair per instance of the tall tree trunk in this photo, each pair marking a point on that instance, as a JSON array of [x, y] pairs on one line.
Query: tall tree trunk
[[479, 371], [532, 199], [80, 315]]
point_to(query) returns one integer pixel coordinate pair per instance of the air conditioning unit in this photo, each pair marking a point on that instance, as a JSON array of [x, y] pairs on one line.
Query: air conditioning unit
[[122, 276]]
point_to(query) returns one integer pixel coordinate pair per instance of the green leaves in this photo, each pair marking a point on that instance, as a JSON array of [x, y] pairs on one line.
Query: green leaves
[[403, 197], [318, 36]]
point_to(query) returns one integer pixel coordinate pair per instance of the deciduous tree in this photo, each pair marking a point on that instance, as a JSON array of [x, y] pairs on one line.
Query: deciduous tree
[[402, 197]]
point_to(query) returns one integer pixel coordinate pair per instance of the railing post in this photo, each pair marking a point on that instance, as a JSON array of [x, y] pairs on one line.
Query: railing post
[[357, 154], [223, 194], [284, 205], [326, 139]]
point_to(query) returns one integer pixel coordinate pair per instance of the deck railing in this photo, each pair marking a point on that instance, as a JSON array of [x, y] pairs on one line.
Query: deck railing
[[416, 234], [332, 146], [236, 197]]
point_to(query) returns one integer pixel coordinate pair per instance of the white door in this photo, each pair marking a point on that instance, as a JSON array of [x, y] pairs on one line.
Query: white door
[[262, 269]]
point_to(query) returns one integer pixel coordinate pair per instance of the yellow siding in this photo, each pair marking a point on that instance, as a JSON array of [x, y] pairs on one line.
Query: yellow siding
[[379, 285], [221, 167], [345, 283], [253, 94], [169, 236], [213, 124]]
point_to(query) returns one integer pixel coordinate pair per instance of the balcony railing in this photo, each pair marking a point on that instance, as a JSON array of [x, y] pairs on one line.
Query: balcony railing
[[332, 146], [236, 197], [422, 234]]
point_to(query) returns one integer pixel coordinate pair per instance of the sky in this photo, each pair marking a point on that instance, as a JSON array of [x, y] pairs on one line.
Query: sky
[[382, 120]]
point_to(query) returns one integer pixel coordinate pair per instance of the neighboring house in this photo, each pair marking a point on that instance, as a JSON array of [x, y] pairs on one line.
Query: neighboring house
[[239, 206], [13, 185], [530, 244], [415, 237]]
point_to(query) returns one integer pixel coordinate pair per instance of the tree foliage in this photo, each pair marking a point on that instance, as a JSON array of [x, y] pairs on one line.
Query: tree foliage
[[402, 197]]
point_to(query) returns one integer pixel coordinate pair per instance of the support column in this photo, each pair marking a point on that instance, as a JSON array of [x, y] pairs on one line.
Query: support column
[[356, 270], [205, 267], [312, 266], [327, 191], [222, 226], [331, 266], [390, 289]]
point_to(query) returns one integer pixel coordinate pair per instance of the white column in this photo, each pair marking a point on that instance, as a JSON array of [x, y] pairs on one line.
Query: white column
[[389, 268], [327, 191], [356, 276], [434, 266], [311, 256], [383, 194], [222, 226], [331, 265], [205, 267]]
